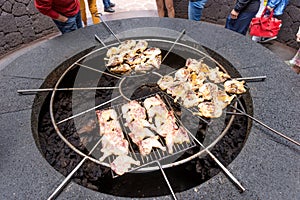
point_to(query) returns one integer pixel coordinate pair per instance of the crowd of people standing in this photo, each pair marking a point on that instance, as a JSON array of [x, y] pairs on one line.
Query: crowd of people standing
[[69, 15]]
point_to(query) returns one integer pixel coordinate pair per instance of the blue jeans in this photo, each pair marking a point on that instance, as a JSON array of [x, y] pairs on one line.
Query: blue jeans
[[241, 24], [106, 4], [195, 9], [71, 24]]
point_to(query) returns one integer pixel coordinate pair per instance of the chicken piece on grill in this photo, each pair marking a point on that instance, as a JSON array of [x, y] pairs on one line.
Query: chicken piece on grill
[[141, 46], [196, 66], [143, 67], [133, 110], [208, 91], [196, 80], [146, 145], [122, 68], [179, 90], [113, 146], [127, 45], [112, 51], [165, 125], [223, 99], [217, 76], [155, 61], [152, 52], [122, 164], [182, 75], [178, 136], [210, 109], [115, 60], [234, 86], [113, 142], [165, 82], [155, 106], [191, 99], [139, 130]]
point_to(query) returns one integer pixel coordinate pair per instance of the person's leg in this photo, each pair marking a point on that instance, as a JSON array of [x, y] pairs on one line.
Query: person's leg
[[241, 24], [160, 8], [106, 4], [94, 11], [78, 20], [83, 13], [72, 24], [195, 9], [170, 8]]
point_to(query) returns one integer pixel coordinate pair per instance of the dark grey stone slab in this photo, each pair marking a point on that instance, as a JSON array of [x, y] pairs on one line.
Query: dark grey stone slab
[[268, 166]]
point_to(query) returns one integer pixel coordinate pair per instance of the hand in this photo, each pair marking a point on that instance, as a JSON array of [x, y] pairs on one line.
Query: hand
[[62, 18], [269, 8], [234, 14]]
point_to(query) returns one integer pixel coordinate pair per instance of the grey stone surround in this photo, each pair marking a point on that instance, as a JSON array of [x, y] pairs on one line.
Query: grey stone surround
[[267, 166], [21, 23]]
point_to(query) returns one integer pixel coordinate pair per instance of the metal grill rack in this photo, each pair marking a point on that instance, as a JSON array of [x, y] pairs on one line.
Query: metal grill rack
[[155, 156]]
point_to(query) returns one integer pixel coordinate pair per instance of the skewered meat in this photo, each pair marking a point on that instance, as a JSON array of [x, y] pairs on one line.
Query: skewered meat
[[223, 99], [122, 68], [217, 76], [133, 55], [147, 144], [234, 86], [122, 164], [210, 109], [165, 82], [208, 91]]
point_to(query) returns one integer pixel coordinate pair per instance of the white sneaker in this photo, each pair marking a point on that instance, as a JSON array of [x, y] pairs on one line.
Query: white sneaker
[[264, 40], [255, 38]]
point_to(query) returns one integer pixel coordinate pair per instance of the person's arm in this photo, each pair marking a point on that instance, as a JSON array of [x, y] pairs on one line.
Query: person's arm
[[45, 7], [271, 4], [240, 5]]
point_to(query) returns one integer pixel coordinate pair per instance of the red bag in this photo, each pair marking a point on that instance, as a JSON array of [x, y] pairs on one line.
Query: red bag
[[265, 26]]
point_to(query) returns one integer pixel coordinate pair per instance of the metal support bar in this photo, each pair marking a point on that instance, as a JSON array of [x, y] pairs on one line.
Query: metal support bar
[[166, 179], [34, 91], [252, 79], [271, 129], [67, 179], [181, 34], [226, 171], [106, 25]]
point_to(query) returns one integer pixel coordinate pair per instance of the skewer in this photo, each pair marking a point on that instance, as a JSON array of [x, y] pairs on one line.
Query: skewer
[[88, 110], [166, 179], [181, 34], [67, 179], [106, 25], [33, 91], [227, 172], [81, 65], [271, 129], [252, 79], [100, 41]]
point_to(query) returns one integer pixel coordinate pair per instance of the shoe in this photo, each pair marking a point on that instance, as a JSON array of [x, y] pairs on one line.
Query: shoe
[[112, 5], [264, 40], [109, 9]]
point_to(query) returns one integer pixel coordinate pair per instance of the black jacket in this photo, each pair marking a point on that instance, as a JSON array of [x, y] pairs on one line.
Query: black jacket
[[247, 5]]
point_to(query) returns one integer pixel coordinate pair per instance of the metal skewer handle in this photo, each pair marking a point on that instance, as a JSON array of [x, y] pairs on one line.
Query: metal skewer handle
[[271, 129], [67, 179], [106, 25]]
